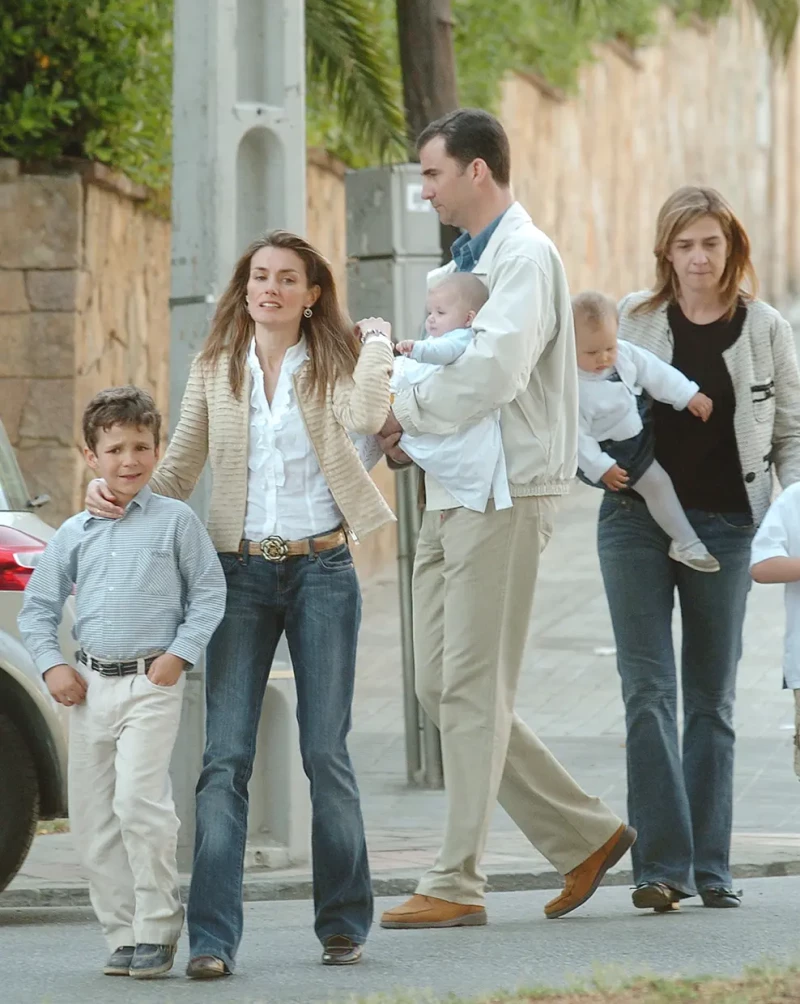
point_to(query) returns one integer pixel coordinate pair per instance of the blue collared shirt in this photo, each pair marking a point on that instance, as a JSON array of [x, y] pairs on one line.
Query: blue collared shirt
[[148, 582], [466, 250]]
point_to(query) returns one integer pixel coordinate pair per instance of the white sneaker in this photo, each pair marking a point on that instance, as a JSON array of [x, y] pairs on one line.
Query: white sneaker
[[695, 556]]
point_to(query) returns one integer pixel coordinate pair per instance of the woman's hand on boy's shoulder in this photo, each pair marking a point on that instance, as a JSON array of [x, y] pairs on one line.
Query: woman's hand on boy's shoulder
[[101, 501]]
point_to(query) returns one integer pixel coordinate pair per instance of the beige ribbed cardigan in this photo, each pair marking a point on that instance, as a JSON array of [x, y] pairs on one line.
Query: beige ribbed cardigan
[[214, 425]]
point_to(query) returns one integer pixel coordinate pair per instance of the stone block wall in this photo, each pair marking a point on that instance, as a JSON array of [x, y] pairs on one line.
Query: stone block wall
[[84, 304], [84, 269], [84, 289], [704, 104]]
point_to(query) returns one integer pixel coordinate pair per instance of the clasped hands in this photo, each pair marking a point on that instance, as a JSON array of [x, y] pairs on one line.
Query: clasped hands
[[389, 437]]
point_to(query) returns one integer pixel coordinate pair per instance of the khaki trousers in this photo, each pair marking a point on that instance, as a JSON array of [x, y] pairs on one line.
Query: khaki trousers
[[474, 579], [122, 816]]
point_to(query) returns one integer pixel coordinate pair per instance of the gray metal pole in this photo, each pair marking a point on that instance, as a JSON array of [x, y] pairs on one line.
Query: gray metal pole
[[423, 744], [392, 245], [405, 490]]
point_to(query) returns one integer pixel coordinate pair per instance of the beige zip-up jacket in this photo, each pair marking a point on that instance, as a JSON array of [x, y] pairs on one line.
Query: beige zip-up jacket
[[215, 425], [522, 360]]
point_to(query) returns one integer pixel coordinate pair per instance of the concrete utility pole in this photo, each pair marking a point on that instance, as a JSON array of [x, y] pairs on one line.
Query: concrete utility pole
[[427, 59], [239, 168]]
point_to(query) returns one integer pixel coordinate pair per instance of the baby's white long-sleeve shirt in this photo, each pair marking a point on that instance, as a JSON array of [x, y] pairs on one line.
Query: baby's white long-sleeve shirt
[[608, 407]]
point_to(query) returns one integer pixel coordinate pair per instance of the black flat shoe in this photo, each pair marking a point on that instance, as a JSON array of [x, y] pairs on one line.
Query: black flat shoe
[[656, 896], [206, 967], [119, 962], [339, 950], [720, 898]]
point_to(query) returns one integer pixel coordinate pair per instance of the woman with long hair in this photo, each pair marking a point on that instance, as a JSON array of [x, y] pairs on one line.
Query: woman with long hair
[[282, 382], [703, 317]]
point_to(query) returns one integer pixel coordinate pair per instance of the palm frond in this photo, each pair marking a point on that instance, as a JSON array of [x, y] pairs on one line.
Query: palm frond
[[779, 18], [344, 59]]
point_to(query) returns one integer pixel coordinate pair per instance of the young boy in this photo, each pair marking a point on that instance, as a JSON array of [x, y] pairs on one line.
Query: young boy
[[775, 557], [150, 592], [469, 463], [615, 448]]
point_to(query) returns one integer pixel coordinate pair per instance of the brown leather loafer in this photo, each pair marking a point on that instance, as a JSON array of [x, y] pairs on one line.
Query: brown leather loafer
[[582, 882], [206, 967], [427, 911], [339, 950]]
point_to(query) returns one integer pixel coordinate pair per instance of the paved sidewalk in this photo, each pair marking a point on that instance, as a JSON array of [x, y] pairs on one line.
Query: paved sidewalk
[[569, 694], [54, 956]]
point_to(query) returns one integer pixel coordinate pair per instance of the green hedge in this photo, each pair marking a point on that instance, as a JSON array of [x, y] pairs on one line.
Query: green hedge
[[94, 79], [88, 80]]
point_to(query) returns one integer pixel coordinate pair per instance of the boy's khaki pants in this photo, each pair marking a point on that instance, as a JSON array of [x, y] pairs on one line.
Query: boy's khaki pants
[[122, 816], [474, 579]]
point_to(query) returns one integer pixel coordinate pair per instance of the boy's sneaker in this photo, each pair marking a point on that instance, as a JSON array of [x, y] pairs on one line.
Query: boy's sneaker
[[694, 556], [150, 961], [119, 962]]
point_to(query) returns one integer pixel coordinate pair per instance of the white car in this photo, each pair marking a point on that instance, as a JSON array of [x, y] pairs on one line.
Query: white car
[[33, 727]]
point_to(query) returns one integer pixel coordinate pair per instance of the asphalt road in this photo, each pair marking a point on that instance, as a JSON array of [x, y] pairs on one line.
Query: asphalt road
[[55, 955]]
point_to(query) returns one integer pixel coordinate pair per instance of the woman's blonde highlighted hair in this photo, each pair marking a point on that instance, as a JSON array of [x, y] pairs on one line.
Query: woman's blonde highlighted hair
[[333, 344], [683, 208]]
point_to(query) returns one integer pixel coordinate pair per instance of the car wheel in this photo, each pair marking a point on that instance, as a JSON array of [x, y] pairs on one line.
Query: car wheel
[[19, 797]]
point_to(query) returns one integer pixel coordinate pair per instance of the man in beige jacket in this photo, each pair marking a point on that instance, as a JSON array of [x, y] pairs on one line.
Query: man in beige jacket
[[475, 573]]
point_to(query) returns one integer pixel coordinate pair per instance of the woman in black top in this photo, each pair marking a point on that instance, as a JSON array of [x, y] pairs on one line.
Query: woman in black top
[[701, 316]]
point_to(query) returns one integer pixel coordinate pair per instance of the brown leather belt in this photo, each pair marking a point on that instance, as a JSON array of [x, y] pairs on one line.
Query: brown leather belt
[[277, 550]]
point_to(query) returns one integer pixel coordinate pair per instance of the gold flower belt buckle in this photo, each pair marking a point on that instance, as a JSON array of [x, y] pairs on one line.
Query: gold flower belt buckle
[[275, 549]]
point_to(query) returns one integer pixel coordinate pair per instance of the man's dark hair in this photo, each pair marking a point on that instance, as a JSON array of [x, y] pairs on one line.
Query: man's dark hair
[[472, 134], [120, 406]]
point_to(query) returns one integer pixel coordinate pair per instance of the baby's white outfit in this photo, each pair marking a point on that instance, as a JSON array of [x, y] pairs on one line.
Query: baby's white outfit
[[608, 408], [469, 463], [611, 431]]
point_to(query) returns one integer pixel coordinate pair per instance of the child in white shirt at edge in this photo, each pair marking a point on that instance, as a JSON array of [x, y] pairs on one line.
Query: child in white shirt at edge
[[150, 593], [775, 557], [469, 463], [615, 447]]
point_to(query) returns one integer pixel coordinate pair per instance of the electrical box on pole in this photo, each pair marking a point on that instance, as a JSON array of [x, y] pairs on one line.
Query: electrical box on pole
[[239, 168], [393, 243]]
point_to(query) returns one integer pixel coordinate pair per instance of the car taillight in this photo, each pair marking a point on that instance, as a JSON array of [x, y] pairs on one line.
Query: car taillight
[[18, 554]]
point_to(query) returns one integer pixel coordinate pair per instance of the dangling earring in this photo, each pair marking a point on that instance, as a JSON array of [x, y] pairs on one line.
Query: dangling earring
[[308, 312]]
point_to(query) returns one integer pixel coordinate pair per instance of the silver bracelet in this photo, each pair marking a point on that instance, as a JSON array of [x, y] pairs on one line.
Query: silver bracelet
[[373, 332]]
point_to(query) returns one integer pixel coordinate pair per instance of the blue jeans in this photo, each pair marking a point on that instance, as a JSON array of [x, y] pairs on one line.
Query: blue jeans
[[682, 805], [316, 601]]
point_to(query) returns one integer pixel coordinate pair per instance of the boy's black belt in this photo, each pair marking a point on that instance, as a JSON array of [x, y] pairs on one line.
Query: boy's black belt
[[106, 668]]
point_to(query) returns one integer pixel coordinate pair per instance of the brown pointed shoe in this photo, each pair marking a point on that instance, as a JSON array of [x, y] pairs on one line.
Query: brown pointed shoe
[[582, 882], [427, 911]]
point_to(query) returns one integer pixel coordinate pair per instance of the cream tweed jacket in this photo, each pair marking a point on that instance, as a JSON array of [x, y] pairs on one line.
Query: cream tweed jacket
[[215, 425], [762, 364]]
